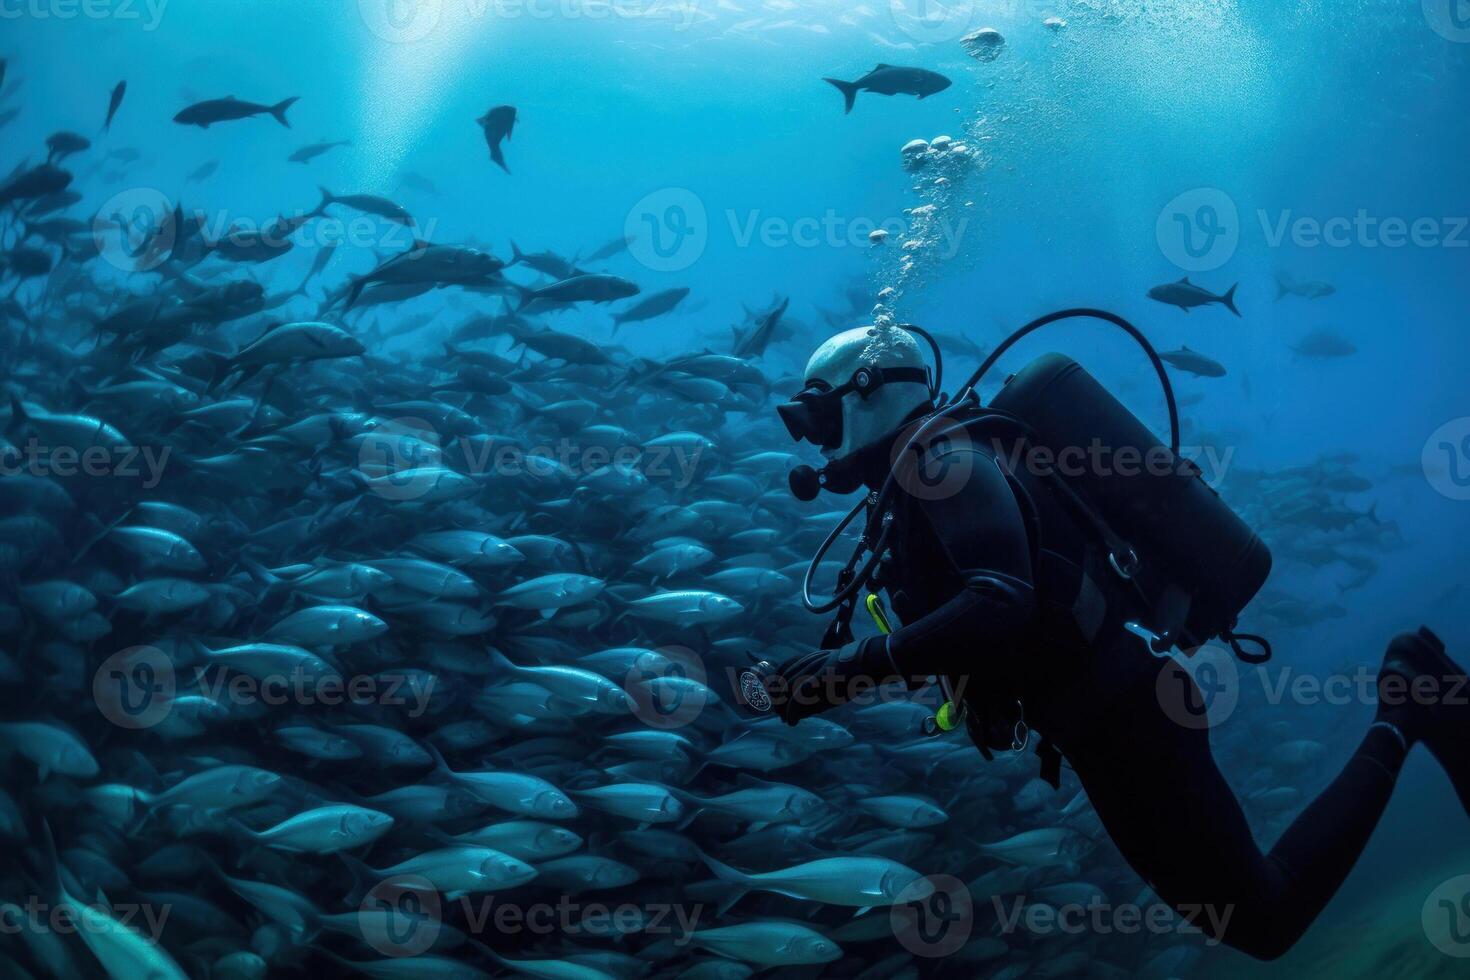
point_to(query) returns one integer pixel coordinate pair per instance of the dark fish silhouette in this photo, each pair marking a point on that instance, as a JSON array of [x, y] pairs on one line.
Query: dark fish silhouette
[[63, 144], [1194, 362], [656, 305], [314, 150], [117, 96], [497, 124], [202, 172], [891, 80], [211, 111], [1186, 295]]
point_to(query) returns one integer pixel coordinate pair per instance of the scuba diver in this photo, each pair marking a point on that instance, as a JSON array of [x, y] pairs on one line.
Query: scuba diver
[[1052, 605]]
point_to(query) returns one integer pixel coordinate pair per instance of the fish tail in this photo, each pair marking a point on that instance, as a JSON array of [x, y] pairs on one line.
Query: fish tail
[[1281, 289], [358, 285], [732, 883], [18, 416], [1229, 299], [527, 295], [279, 110], [219, 369], [849, 92], [363, 879], [50, 865]]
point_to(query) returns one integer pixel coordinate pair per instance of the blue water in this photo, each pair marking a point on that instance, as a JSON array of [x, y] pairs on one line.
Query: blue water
[[707, 127]]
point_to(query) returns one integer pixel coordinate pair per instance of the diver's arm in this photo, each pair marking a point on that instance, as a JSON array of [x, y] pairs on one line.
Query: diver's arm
[[984, 534]]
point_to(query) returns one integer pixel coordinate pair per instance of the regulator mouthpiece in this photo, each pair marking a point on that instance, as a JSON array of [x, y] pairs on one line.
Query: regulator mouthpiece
[[805, 483]]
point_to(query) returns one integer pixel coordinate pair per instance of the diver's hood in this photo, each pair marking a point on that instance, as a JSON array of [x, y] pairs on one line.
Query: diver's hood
[[861, 386]]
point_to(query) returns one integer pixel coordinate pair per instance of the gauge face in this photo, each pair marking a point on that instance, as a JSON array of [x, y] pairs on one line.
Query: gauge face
[[753, 691]]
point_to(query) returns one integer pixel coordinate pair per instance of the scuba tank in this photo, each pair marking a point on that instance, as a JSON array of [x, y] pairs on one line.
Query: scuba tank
[[1193, 583], [1190, 555]]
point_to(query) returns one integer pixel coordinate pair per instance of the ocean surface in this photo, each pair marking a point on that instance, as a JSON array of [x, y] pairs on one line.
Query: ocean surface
[[471, 484]]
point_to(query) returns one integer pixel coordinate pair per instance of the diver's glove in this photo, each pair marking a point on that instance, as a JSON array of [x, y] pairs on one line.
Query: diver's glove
[[811, 683]]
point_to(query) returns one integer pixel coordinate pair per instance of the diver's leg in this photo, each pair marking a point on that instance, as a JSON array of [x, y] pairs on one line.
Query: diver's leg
[[1159, 794], [1425, 696]]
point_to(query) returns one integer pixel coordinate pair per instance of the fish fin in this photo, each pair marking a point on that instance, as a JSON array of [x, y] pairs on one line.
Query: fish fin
[[279, 110], [848, 89], [1185, 281], [18, 416], [498, 157], [362, 878], [1229, 299], [880, 66], [866, 908]]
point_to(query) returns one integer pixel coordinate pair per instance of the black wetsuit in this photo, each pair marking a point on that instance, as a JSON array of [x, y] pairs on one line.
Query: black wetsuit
[[983, 571]]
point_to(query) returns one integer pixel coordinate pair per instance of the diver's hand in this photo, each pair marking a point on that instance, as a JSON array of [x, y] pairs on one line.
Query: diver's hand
[[813, 682]]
